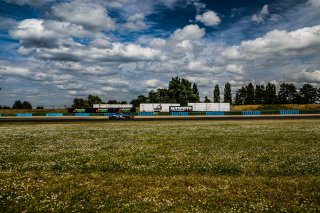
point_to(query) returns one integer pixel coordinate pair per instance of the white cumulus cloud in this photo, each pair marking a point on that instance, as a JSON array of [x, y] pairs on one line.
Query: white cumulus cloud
[[89, 15], [277, 43], [189, 32], [209, 18], [308, 76]]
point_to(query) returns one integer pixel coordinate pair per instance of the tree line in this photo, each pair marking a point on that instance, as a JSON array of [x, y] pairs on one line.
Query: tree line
[[90, 100], [287, 94], [183, 91]]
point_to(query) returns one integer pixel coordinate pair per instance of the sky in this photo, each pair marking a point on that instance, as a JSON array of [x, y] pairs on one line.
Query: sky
[[53, 51]]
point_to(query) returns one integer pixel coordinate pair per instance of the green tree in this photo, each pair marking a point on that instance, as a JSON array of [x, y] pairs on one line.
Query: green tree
[[308, 94], [259, 94], [227, 97], [249, 97], [241, 96], [94, 100], [216, 94], [181, 91], [80, 103], [196, 96], [26, 105], [270, 94], [112, 102], [17, 105], [140, 99], [207, 100], [287, 94]]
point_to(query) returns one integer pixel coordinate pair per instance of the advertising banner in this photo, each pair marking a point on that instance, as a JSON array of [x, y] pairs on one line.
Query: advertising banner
[[180, 108]]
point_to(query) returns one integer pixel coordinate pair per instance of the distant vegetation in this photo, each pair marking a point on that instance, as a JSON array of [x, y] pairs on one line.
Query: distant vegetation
[[183, 91]]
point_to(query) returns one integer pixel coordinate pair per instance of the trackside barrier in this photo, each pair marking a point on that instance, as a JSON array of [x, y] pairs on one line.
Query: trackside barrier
[[233, 113], [24, 114], [289, 112], [251, 113], [214, 113], [197, 113], [309, 111], [54, 114], [179, 113], [270, 112], [81, 114], [145, 114]]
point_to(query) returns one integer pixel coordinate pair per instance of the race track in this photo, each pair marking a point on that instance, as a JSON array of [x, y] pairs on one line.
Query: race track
[[45, 119]]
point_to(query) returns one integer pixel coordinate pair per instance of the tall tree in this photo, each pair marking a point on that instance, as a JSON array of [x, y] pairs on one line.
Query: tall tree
[[308, 94], [17, 105], [94, 100], [270, 94], [287, 94], [80, 103], [241, 96], [216, 94], [181, 91], [259, 94], [196, 96], [140, 99], [227, 97], [26, 105], [249, 98]]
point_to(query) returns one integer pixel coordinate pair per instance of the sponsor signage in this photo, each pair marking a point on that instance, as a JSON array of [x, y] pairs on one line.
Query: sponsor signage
[[79, 110], [180, 108]]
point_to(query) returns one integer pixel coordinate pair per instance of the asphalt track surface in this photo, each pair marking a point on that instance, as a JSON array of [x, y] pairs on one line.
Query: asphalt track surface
[[63, 119]]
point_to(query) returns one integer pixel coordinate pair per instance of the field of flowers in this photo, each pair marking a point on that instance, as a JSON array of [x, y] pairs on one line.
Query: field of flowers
[[164, 166]]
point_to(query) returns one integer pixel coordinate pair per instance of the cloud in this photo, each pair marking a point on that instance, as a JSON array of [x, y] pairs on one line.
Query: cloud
[[135, 22], [154, 83], [265, 15], [14, 69], [7, 23], [89, 15], [118, 52], [189, 32], [307, 75], [262, 16], [278, 43], [209, 18], [32, 33], [315, 3], [35, 3]]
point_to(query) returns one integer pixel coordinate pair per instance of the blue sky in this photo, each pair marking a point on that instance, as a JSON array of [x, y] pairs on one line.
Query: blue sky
[[54, 51]]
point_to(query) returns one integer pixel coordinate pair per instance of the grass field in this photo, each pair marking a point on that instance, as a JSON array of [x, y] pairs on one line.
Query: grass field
[[165, 166]]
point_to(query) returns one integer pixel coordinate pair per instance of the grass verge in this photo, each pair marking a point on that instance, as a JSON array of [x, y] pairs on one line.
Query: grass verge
[[166, 166]]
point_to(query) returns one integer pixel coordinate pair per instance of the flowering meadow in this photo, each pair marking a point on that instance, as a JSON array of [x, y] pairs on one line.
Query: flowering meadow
[[161, 166]]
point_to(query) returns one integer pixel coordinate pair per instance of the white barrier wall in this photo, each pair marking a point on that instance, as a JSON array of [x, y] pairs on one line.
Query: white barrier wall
[[156, 107], [210, 107], [105, 106]]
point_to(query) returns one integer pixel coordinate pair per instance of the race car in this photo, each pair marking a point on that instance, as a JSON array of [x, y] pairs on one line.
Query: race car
[[120, 116]]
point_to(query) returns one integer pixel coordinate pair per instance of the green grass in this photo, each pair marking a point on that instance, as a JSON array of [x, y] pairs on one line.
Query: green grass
[[165, 166]]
